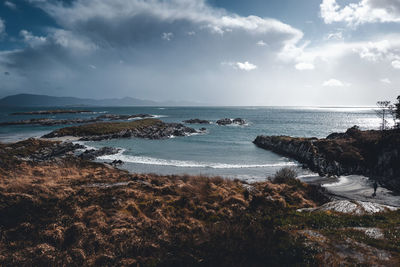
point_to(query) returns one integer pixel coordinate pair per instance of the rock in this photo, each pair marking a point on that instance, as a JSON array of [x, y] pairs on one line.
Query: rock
[[352, 207], [227, 121], [47, 122], [239, 121], [51, 112], [147, 128], [117, 162], [196, 121], [367, 153], [51, 122], [113, 117], [93, 153], [55, 151]]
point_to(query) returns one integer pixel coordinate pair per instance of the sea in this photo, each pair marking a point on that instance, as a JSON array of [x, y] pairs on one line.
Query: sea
[[225, 151]]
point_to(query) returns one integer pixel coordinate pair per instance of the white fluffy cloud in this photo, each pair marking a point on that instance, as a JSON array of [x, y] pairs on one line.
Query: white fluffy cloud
[[194, 11], [387, 51], [334, 36], [247, 66], [167, 36], [365, 11], [32, 40], [334, 83], [304, 66], [261, 43], [396, 64]]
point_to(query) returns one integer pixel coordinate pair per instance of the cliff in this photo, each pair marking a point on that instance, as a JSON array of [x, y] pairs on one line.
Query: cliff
[[371, 153]]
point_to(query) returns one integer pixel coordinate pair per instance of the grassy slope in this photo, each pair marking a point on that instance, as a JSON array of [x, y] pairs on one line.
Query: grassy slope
[[69, 213]]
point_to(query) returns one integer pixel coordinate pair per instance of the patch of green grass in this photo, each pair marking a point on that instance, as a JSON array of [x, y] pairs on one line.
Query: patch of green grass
[[104, 128]]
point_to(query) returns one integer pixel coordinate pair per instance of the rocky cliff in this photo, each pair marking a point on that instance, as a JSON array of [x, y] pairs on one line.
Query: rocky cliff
[[372, 153]]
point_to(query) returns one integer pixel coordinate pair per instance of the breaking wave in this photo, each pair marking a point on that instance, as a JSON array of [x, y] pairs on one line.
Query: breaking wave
[[188, 164]]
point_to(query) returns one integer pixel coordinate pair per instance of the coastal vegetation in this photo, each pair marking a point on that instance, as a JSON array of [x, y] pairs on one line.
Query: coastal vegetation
[[145, 128], [69, 211]]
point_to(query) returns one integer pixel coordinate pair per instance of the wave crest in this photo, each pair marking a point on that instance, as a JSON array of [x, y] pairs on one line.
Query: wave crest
[[188, 164]]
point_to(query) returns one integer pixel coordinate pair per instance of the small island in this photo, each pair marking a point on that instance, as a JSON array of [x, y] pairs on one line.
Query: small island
[[145, 128], [51, 112], [52, 122]]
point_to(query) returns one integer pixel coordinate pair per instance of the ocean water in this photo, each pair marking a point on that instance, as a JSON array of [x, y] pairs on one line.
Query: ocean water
[[223, 150]]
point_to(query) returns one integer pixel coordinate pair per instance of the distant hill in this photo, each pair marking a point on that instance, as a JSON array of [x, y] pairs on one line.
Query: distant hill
[[30, 100]]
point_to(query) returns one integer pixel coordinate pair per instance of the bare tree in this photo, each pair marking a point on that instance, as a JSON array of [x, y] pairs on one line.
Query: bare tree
[[382, 112], [395, 112]]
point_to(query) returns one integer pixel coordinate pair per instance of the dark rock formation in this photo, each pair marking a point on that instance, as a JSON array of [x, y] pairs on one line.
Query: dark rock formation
[[52, 122], [370, 153], [227, 121], [51, 112], [92, 154], [147, 128], [196, 121], [113, 117], [239, 121], [48, 122]]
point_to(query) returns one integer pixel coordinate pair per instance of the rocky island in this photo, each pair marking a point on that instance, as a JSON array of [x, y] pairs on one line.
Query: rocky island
[[146, 128], [59, 209], [52, 122], [51, 112], [372, 153], [197, 121], [227, 121]]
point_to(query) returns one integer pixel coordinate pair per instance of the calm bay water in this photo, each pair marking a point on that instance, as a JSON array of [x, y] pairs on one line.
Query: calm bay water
[[223, 150]]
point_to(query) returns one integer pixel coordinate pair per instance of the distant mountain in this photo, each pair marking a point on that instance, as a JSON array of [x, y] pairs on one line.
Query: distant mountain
[[30, 100]]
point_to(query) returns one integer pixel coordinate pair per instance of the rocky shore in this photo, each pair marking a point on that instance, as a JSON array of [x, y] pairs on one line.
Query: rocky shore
[[64, 210], [146, 128], [374, 154]]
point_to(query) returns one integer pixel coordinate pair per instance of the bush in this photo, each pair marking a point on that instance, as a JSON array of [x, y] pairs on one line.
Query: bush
[[285, 176]]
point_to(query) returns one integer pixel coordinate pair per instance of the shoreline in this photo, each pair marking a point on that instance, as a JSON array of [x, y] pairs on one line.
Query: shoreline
[[59, 208]]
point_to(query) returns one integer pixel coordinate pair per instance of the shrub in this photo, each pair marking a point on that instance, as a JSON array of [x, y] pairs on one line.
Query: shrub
[[285, 176]]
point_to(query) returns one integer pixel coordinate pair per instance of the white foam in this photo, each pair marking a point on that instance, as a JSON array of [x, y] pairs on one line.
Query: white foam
[[159, 116], [187, 164], [342, 181]]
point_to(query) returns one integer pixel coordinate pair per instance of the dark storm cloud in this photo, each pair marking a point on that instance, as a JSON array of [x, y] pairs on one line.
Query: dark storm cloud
[[189, 50]]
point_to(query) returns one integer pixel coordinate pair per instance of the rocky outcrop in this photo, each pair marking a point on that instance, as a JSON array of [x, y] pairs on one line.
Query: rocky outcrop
[[147, 128], [114, 117], [196, 121], [51, 112], [352, 207], [227, 121], [92, 154], [52, 122], [48, 122], [366, 153]]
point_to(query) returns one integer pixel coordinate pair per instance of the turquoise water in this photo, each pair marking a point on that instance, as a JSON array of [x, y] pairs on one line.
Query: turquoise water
[[223, 150]]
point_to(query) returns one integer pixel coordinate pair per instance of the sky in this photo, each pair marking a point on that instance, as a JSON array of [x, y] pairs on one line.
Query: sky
[[216, 52]]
